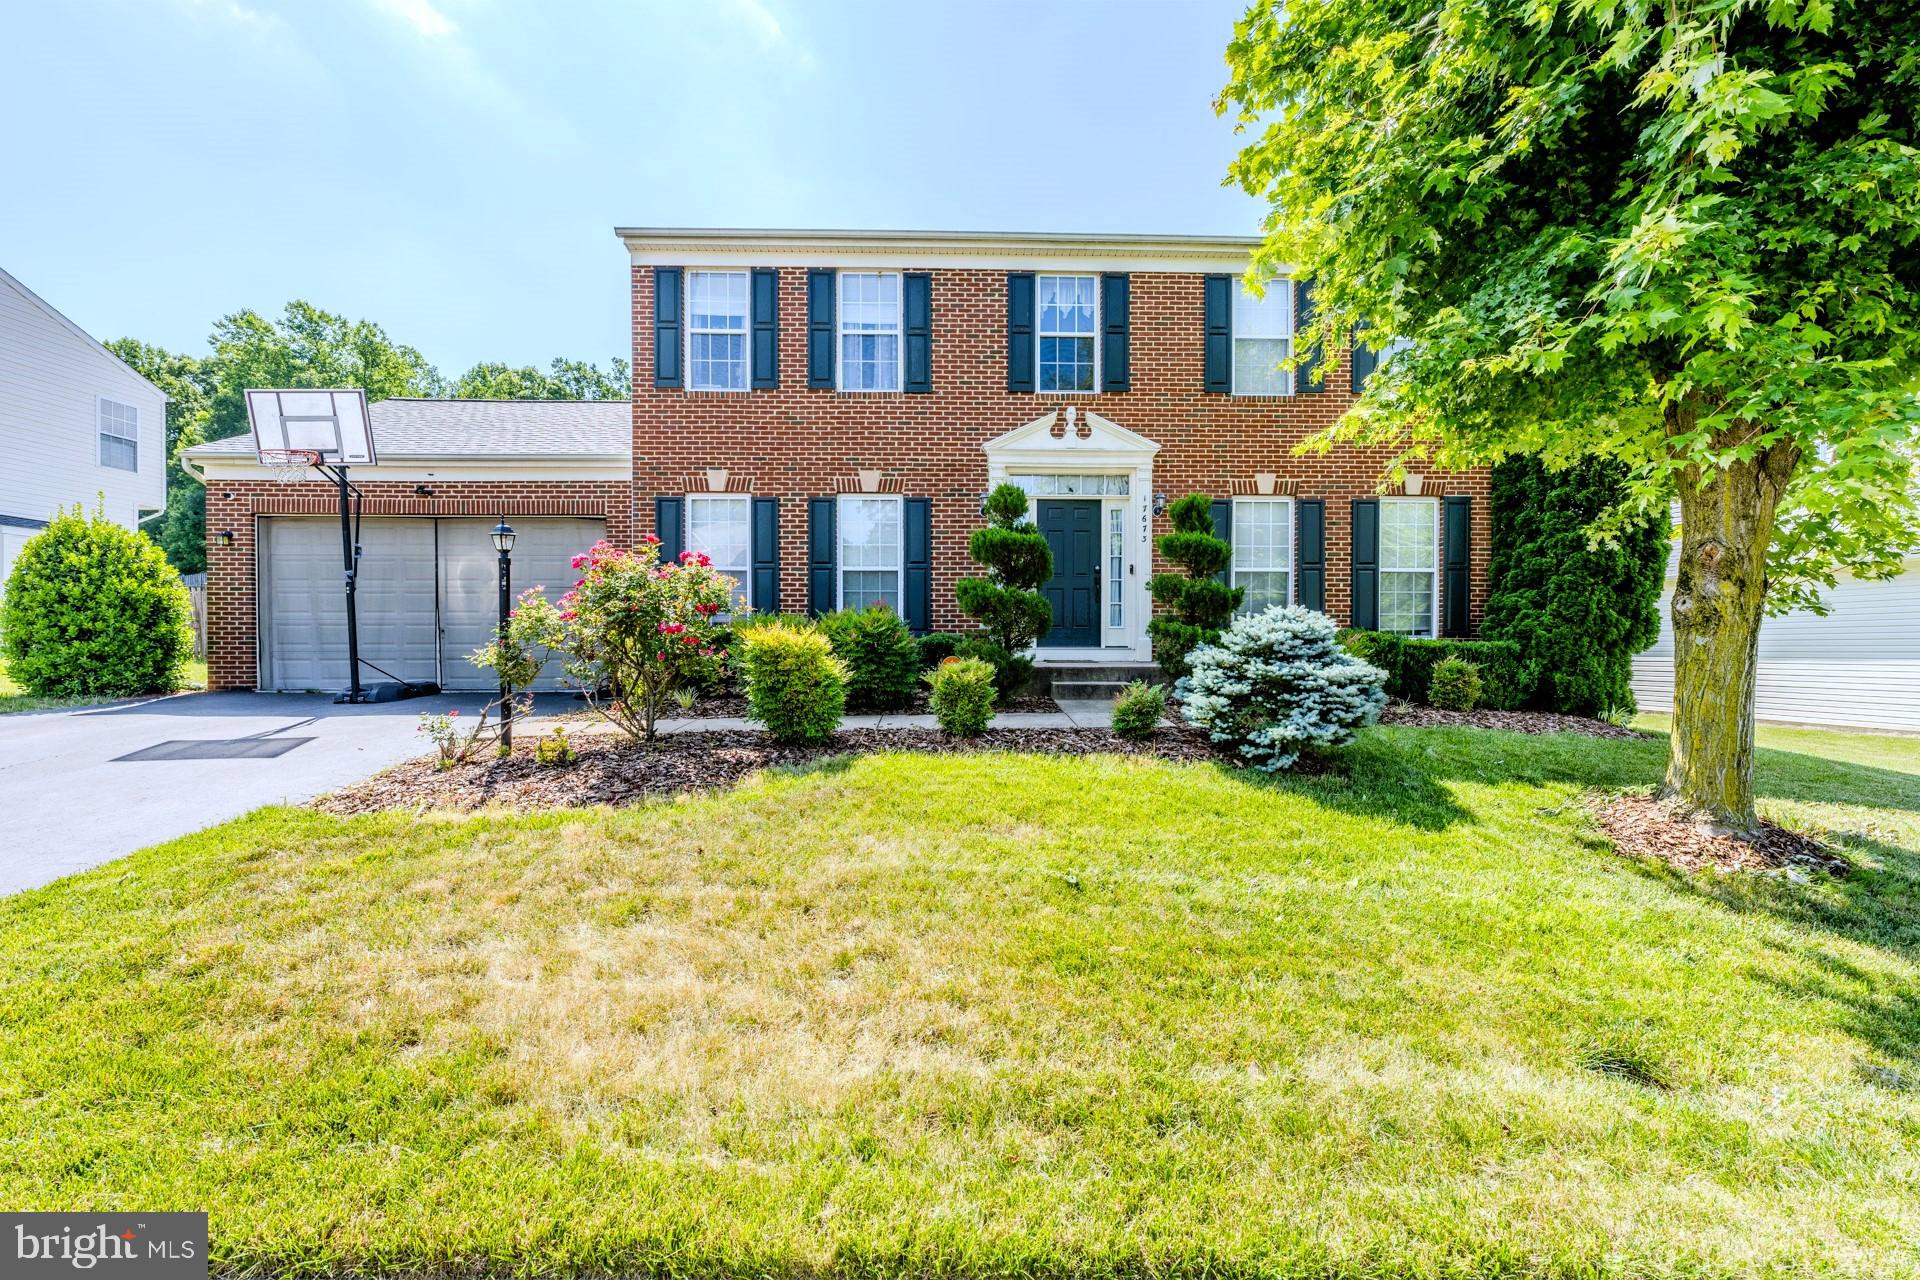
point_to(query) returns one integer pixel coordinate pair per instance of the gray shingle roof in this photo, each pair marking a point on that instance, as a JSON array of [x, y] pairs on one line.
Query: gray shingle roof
[[484, 428]]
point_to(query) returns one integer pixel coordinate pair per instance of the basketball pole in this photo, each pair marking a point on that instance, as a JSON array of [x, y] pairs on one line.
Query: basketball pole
[[353, 694]]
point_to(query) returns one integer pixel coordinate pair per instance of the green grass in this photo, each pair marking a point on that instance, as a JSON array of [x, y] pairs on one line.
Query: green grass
[[999, 1016], [14, 698]]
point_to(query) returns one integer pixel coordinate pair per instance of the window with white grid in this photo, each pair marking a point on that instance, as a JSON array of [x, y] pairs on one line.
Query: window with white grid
[[1263, 551], [717, 330], [870, 550], [119, 436], [869, 319], [1409, 559], [1066, 332], [1262, 338], [721, 525]]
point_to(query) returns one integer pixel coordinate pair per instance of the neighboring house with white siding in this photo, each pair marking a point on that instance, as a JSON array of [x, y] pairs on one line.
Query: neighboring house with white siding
[[77, 424]]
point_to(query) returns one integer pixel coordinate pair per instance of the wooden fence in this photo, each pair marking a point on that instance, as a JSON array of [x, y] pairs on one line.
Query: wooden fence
[[196, 584]]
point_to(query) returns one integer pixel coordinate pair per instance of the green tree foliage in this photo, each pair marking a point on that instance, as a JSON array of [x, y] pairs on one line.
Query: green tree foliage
[[93, 609], [564, 380], [1579, 609], [1007, 602], [188, 383], [1680, 236], [1201, 604]]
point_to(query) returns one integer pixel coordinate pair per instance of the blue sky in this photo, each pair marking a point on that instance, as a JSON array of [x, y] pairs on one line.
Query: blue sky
[[453, 169]]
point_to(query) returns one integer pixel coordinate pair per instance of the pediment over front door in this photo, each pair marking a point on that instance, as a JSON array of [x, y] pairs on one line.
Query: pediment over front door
[[1067, 437]]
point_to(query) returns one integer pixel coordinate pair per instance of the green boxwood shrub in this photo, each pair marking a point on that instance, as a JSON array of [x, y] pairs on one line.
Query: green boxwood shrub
[[883, 662], [1409, 663], [936, 647], [963, 693], [1012, 672], [1138, 709], [796, 686], [1454, 685], [93, 609]]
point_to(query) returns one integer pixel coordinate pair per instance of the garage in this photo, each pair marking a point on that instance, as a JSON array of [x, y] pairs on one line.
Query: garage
[[428, 595]]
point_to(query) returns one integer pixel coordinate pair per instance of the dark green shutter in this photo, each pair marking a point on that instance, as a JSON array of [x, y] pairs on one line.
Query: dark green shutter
[[916, 294], [766, 328], [1116, 338], [1306, 379], [1219, 334], [1456, 591], [1366, 564], [766, 555], [1361, 363], [1310, 535], [821, 549], [670, 526], [919, 565], [1020, 331], [666, 327], [820, 330], [1223, 530]]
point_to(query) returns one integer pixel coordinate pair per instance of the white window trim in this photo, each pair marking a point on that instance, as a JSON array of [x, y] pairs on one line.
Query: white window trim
[[744, 589], [100, 433], [1293, 544], [899, 331], [1234, 335], [1439, 534], [1039, 333], [686, 309], [840, 546]]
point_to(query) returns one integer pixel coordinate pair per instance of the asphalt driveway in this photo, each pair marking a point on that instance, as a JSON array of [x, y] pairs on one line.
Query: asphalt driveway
[[79, 788]]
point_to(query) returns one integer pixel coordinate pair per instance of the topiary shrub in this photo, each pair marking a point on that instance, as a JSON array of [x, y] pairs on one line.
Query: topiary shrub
[[1382, 649], [1012, 672], [1409, 662], [1007, 602], [883, 662], [1278, 685], [962, 698], [1454, 685], [1199, 601], [796, 686], [1138, 709], [936, 647], [93, 609]]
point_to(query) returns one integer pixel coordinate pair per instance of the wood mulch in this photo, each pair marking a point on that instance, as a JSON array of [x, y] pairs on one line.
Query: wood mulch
[[733, 706], [1641, 826], [613, 771], [1406, 713]]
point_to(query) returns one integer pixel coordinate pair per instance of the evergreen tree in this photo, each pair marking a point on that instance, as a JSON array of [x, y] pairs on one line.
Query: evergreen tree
[[1201, 602], [1579, 610], [1007, 602]]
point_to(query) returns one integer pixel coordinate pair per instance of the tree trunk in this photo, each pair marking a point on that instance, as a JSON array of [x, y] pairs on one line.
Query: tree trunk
[[1726, 526]]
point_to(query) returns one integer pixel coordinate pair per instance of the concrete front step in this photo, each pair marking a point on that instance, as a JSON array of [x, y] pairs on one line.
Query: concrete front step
[[1048, 676], [1087, 690]]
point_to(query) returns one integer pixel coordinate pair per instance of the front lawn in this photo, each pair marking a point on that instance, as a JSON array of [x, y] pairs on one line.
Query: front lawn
[[998, 1015]]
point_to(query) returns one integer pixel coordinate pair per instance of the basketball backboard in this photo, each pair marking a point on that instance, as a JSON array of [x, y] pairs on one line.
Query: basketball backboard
[[333, 424]]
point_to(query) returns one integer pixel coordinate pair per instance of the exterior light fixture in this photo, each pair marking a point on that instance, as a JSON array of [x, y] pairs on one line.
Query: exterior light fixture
[[1159, 504], [226, 537], [503, 543], [423, 491], [503, 536]]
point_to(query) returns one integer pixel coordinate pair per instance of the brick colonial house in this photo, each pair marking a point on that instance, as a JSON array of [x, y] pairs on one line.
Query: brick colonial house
[[822, 412]]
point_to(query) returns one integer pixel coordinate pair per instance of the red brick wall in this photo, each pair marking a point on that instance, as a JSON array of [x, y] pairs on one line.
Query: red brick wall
[[797, 443], [232, 620]]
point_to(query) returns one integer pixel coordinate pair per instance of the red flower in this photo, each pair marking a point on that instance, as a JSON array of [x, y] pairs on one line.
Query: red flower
[[568, 615], [651, 541], [579, 560]]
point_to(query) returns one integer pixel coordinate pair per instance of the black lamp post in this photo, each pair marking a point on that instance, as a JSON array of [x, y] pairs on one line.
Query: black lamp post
[[503, 543]]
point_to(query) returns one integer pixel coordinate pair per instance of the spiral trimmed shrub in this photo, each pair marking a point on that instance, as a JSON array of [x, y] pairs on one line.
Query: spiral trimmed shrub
[[1278, 685], [796, 686]]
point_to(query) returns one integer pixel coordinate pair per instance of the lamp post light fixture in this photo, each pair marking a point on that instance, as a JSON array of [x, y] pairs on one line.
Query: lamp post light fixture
[[503, 543]]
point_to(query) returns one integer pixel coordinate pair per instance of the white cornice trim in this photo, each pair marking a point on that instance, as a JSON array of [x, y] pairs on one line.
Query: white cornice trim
[[723, 246], [618, 467]]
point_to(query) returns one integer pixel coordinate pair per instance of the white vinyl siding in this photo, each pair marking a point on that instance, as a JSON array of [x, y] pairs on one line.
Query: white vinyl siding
[[717, 330], [1262, 339], [868, 316], [720, 525], [870, 552], [1409, 562], [1068, 323], [1263, 551]]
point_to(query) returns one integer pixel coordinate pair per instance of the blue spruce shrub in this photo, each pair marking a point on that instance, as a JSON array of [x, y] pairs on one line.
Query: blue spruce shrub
[[1278, 684]]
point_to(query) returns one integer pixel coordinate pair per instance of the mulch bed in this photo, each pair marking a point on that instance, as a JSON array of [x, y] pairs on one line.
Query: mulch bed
[[1640, 826], [1418, 717], [733, 706], [613, 771]]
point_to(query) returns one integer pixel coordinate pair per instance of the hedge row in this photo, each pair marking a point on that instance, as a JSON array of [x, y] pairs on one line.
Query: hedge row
[[1409, 664]]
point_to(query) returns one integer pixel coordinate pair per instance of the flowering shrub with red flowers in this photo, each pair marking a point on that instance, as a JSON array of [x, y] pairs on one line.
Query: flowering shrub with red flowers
[[633, 630]]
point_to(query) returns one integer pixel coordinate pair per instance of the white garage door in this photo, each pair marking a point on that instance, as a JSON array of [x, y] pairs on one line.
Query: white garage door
[[428, 596]]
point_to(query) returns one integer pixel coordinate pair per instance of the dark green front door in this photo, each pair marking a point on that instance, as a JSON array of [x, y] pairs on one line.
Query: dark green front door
[[1072, 529]]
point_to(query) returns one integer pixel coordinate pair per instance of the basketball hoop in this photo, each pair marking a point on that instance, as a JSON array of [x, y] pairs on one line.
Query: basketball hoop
[[289, 466]]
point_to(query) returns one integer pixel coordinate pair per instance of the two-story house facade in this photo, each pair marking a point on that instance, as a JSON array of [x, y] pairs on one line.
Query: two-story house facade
[[77, 425]]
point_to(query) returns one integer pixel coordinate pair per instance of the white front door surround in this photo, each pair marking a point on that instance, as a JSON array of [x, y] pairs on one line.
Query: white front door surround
[[1078, 443]]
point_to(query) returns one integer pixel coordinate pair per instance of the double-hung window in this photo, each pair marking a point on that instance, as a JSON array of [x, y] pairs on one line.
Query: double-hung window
[[1263, 551], [119, 436], [717, 330], [871, 556], [721, 525], [869, 313], [1066, 332], [1262, 340], [1409, 554]]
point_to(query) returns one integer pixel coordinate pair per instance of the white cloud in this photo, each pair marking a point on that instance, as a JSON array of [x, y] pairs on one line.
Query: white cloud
[[427, 22], [768, 32]]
